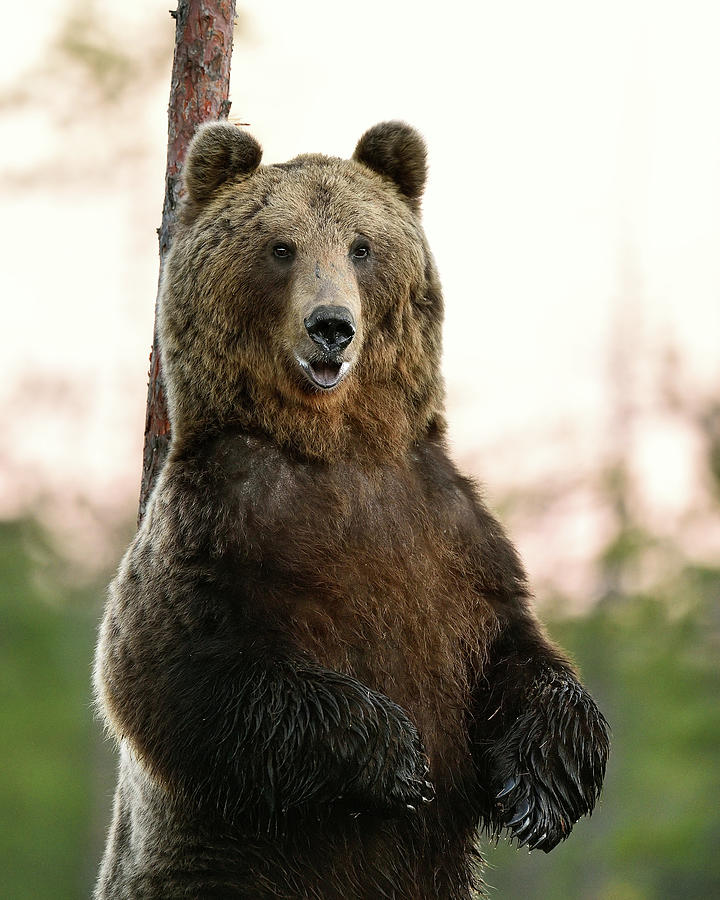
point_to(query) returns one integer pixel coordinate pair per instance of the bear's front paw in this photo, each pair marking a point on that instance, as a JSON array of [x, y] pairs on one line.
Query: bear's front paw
[[549, 768], [395, 778], [408, 787]]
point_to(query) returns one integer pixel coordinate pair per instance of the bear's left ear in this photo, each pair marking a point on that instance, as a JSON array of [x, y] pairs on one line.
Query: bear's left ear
[[397, 151], [218, 152]]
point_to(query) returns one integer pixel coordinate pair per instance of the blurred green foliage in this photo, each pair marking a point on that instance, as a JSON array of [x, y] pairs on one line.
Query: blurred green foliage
[[49, 745], [652, 663], [650, 660]]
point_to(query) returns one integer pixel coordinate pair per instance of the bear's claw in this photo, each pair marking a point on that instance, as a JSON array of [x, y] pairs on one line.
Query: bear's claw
[[528, 816], [521, 811], [509, 785]]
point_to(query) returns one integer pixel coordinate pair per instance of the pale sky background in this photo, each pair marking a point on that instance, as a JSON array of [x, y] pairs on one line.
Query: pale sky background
[[573, 207]]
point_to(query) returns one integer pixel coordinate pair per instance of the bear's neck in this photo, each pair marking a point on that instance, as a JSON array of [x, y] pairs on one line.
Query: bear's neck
[[378, 424]]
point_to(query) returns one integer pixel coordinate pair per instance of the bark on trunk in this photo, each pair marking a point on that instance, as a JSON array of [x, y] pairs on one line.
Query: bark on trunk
[[198, 92]]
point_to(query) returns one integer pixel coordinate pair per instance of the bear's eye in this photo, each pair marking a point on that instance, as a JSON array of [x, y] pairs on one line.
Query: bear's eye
[[282, 251], [360, 251]]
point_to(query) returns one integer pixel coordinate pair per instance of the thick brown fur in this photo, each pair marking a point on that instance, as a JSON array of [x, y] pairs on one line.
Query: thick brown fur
[[319, 654]]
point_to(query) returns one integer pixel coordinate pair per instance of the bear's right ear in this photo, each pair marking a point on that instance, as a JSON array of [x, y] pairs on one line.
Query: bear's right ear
[[218, 151], [397, 151]]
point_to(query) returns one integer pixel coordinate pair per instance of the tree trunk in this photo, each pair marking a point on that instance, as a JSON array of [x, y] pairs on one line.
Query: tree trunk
[[199, 92]]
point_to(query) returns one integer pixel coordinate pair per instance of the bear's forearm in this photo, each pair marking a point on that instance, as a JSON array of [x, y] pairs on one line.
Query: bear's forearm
[[520, 655], [258, 735], [519, 663]]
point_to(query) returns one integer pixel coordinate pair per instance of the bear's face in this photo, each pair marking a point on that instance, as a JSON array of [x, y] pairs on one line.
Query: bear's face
[[302, 292]]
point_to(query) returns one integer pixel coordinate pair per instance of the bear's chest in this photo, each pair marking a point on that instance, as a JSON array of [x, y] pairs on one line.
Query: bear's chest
[[335, 534]]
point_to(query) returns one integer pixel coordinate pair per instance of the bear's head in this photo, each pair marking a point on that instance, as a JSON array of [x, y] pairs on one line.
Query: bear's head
[[301, 299]]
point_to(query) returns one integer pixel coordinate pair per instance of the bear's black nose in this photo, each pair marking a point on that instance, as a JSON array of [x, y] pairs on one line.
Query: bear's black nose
[[331, 327]]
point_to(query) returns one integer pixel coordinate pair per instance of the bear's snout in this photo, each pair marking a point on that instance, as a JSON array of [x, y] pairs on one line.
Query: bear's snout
[[331, 327]]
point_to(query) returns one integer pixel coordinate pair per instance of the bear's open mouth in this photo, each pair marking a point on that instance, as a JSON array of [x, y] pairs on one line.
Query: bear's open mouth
[[322, 373]]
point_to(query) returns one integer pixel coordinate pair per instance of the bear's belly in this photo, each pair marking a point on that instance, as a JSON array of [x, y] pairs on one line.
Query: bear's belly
[[410, 632]]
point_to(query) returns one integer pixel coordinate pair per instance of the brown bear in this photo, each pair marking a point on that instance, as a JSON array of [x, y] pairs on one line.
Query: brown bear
[[319, 655]]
